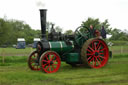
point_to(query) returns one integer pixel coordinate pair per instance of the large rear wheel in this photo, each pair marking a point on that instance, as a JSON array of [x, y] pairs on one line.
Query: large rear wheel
[[95, 53], [50, 62]]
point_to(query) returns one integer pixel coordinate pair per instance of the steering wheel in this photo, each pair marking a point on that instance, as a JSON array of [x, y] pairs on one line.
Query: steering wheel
[[81, 35]]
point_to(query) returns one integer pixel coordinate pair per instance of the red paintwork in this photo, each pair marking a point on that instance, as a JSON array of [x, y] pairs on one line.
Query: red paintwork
[[33, 57], [97, 53], [50, 62]]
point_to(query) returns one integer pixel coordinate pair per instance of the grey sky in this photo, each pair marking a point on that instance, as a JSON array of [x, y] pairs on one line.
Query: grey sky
[[68, 14]]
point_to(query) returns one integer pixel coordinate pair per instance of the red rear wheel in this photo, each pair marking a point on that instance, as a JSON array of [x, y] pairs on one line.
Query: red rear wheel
[[95, 53], [50, 62], [32, 61]]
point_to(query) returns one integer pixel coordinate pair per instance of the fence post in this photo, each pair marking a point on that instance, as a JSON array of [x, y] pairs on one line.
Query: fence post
[[31, 50], [3, 56], [121, 50], [112, 51]]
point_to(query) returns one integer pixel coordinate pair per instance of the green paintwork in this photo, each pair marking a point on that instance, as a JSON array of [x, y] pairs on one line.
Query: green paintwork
[[60, 46], [72, 57], [80, 39]]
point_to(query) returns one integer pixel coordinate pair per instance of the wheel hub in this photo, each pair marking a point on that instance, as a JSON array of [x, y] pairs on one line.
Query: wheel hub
[[96, 53], [51, 62]]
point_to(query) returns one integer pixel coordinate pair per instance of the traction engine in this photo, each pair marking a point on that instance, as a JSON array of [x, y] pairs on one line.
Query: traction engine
[[81, 48]]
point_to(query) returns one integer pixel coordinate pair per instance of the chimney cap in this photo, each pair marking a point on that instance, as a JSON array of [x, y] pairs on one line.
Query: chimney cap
[[43, 9]]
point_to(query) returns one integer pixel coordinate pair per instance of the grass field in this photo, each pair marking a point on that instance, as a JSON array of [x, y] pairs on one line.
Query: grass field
[[123, 50], [119, 50], [16, 72], [15, 52]]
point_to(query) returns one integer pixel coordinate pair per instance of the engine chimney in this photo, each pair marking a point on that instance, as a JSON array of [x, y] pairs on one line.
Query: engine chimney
[[43, 24]]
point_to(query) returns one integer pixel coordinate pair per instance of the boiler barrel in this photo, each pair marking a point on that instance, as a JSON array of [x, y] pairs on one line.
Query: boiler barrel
[[61, 46]]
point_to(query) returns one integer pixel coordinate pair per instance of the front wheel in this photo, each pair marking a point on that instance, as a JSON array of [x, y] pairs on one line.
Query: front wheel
[[50, 62], [32, 61]]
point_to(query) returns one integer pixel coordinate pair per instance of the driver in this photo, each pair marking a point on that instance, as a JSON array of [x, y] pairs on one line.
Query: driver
[[94, 32]]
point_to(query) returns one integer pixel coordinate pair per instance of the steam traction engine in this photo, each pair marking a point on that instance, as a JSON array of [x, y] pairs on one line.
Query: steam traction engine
[[79, 48]]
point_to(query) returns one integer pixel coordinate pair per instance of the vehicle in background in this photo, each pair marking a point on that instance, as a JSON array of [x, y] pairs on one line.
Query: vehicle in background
[[35, 42], [21, 44]]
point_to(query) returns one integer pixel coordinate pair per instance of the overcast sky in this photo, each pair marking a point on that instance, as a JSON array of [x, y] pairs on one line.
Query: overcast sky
[[67, 14]]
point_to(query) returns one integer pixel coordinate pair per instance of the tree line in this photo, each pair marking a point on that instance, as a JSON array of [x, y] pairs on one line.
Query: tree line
[[12, 29], [117, 34]]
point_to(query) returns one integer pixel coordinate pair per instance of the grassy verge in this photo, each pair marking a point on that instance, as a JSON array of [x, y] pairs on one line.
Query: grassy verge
[[16, 72]]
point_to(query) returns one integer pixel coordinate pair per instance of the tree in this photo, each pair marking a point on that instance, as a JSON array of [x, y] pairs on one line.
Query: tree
[[96, 24], [119, 35], [58, 29], [4, 34], [12, 29], [69, 32]]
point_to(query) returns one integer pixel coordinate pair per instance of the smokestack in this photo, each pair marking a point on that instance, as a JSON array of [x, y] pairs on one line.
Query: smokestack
[[43, 24]]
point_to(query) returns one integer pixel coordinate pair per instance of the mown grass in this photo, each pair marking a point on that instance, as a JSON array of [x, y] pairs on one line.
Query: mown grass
[[16, 72], [24, 52], [122, 50], [14, 50]]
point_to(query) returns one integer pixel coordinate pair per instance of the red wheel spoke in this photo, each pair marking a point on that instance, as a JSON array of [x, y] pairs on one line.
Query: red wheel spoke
[[47, 58], [98, 62], [44, 61], [55, 64], [98, 44], [89, 54], [90, 60], [99, 59], [102, 57], [55, 61], [99, 47], [45, 64], [101, 53], [91, 48], [50, 57], [95, 46], [89, 57], [102, 49], [89, 51], [53, 67], [53, 57], [49, 68]]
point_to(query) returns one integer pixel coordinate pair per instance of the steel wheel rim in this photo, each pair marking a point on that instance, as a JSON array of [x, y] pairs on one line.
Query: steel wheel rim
[[50, 62], [97, 53], [32, 61]]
